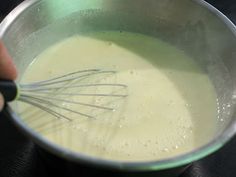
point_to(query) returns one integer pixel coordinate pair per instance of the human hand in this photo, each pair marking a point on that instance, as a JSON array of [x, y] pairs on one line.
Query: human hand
[[7, 69]]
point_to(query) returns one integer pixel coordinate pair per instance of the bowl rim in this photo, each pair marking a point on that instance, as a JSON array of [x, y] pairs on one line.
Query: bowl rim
[[76, 157]]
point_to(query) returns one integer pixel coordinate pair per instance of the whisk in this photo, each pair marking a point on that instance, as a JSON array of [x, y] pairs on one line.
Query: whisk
[[46, 94]]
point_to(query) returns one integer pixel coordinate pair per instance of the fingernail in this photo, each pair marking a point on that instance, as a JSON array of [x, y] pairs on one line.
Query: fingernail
[[1, 102]]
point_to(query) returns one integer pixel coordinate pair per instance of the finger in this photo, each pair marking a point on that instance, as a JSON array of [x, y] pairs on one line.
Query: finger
[[7, 67], [1, 102]]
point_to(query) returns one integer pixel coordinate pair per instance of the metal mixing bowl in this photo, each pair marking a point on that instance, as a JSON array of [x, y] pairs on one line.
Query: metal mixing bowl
[[194, 26]]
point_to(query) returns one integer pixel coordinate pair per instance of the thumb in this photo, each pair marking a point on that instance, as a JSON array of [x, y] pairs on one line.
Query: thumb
[[1, 102], [8, 69]]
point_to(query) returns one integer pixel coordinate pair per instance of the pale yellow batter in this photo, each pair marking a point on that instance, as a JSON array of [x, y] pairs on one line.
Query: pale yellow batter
[[170, 108]]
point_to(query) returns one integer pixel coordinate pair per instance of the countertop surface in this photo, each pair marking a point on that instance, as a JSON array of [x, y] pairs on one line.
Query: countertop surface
[[19, 155]]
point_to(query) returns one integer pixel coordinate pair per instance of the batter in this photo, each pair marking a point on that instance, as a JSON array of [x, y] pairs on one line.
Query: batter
[[170, 108]]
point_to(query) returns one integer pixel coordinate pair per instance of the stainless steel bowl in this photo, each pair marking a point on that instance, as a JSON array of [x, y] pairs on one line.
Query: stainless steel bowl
[[191, 25]]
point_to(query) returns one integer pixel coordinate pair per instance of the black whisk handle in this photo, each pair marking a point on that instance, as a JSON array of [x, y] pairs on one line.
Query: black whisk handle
[[8, 89]]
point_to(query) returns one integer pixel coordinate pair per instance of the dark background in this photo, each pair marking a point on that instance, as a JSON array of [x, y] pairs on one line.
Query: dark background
[[19, 156]]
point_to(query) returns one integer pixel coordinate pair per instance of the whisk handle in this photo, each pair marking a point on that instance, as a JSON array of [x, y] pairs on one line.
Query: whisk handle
[[8, 89]]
